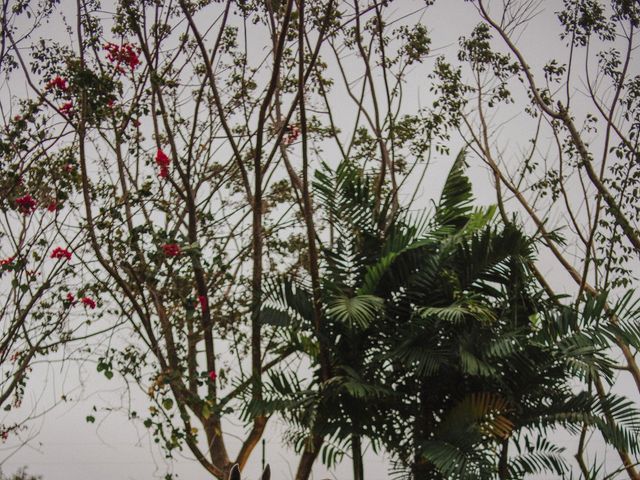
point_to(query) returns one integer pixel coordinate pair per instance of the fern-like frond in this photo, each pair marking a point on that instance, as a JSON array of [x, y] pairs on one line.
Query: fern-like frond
[[358, 311]]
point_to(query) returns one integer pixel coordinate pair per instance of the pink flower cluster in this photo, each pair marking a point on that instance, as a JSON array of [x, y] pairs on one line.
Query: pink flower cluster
[[66, 108], [86, 301], [7, 261], [163, 161], [26, 204], [171, 249], [59, 83], [59, 253], [125, 54], [293, 132]]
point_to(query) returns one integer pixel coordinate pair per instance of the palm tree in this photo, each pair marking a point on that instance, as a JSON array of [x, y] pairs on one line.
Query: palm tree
[[443, 350]]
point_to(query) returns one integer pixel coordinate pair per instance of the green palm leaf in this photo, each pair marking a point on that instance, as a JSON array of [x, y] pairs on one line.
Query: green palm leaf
[[358, 311]]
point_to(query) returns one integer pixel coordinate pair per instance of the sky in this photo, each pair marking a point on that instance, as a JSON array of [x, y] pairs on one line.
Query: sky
[[64, 446]]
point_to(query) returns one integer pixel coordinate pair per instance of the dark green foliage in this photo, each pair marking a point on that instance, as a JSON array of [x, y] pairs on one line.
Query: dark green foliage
[[443, 352]]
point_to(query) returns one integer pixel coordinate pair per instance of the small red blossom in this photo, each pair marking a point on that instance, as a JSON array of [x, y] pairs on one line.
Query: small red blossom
[[88, 302], [60, 253], [66, 108], [69, 168], [71, 299], [53, 206], [7, 261], [204, 304], [111, 103], [212, 376], [136, 123], [126, 54], [171, 249], [26, 204], [59, 83], [17, 118], [4, 435], [163, 161]]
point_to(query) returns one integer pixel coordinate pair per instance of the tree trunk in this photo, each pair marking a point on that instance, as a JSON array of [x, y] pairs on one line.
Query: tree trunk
[[503, 464], [308, 458], [356, 451]]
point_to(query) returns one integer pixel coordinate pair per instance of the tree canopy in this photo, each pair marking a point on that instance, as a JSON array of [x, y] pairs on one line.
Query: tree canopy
[[239, 209]]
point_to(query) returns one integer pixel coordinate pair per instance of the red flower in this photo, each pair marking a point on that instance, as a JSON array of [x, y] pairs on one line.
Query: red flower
[[26, 204], [59, 83], [66, 108], [60, 253], [7, 261], [53, 206], [71, 299], [125, 53], [69, 168], [171, 249], [88, 302], [111, 103], [204, 304], [163, 161], [212, 376]]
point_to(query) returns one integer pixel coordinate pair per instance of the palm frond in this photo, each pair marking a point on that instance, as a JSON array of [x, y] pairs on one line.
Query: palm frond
[[357, 312], [477, 414], [455, 204], [540, 458]]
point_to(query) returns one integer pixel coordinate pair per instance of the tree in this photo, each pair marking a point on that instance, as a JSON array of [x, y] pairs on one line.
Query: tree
[[187, 143], [193, 130], [42, 291], [573, 180], [443, 350]]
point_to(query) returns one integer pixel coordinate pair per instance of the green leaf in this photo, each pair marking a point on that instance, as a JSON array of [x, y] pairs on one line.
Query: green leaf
[[357, 311], [274, 317], [454, 207]]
